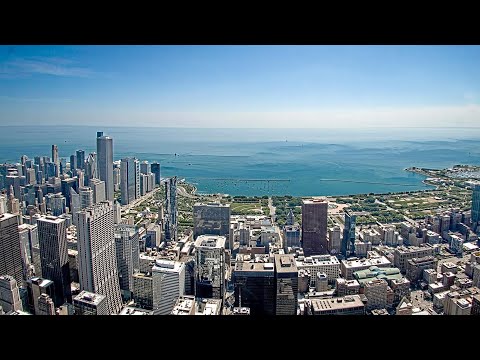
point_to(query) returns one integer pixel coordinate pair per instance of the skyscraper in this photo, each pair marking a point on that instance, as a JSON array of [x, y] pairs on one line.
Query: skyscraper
[[98, 188], [56, 160], [169, 280], [87, 303], [10, 252], [73, 163], [9, 294], [129, 180], [145, 168], [35, 287], [212, 219], [52, 236], [86, 197], [286, 276], [210, 266], [97, 261], [476, 205], [124, 236], [171, 209], [105, 163], [91, 167], [80, 159], [28, 238], [314, 226], [348, 243], [67, 184], [155, 168]]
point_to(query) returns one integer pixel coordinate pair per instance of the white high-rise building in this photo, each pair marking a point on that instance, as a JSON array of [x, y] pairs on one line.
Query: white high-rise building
[[169, 283], [10, 252], [105, 163], [3, 204], [98, 188], [97, 261]]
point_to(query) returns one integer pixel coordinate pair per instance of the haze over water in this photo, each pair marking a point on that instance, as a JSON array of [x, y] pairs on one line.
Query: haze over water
[[298, 162]]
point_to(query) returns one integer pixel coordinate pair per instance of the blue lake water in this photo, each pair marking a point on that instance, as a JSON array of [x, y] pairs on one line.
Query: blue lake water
[[299, 162]]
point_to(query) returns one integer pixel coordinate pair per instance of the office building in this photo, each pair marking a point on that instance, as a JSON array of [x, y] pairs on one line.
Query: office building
[[334, 240], [80, 160], [314, 226], [56, 204], [254, 285], [56, 160], [125, 235], [86, 197], [88, 303], [153, 236], [402, 254], [155, 168], [376, 294], [52, 237], [105, 163], [98, 270], [169, 283], [327, 264], [116, 178], [210, 266], [171, 209], [401, 289], [37, 286], [348, 267], [28, 238], [212, 219], [98, 188], [348, 242], [346, 287], [143, 290], [9, 294], [475, 205], [129, 180], [91, 168], [286, 278], [347, 305], [67, 186], [185, 305], [291, 236], [45, 305], [10, 252], [415, 267], [476, 304]]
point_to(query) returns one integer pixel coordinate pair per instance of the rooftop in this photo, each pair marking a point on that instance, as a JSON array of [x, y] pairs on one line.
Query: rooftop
[[321, 200], [254, 266], [162, 265], [382, 260], [130, 310], [318, 260], [211, 241], [285, 263], [89, 298], [345, 302], [184, 305], [208, 306]]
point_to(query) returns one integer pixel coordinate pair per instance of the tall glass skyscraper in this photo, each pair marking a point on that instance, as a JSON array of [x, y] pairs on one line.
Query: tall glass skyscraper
[[348, 243], [105, 163], [476, 205], [129, 180]]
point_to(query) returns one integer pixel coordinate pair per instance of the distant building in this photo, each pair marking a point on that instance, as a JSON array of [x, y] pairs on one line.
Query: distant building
[[98, 187], [105, 163], [348, 242], [334, 240], [291, 236], [87, 303], [124, 237], [475, 205], [212, 219], [129, 180], [314, 226], [286, 276], [10, 251], [9, 294], [171, 209], [155, 168], [52, 236], [210, 266], [347, 305]]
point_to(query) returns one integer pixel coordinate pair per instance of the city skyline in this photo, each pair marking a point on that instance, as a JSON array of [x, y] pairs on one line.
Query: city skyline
[[241, 86]]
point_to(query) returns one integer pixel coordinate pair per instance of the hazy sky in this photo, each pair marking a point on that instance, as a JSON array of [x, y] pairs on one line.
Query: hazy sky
[[241, 86]]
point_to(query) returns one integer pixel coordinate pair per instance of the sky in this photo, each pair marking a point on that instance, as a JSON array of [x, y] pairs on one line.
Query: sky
[[241, 86]]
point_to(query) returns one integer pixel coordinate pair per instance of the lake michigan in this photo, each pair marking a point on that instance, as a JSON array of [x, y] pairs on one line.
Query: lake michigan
[[298, 162]]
